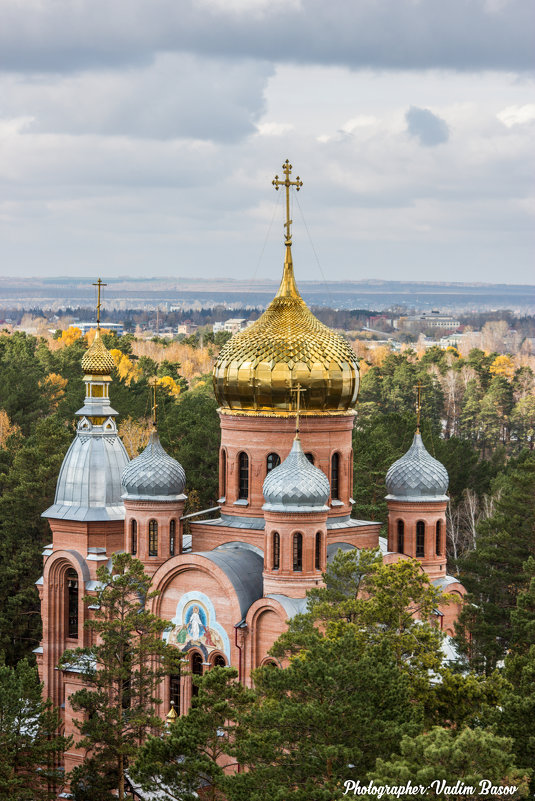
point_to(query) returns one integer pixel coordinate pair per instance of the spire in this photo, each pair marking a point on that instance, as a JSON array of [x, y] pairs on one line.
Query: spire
[[154, 404], [288, 288]]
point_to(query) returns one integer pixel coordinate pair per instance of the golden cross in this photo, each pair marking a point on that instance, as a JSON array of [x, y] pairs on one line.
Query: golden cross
[[154, 404], [418, 389], [99, 284], [298, 390], [287, 168]]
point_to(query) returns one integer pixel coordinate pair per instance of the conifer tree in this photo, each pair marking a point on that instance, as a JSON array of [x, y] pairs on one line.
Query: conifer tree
[[30, 747], [123, 671]]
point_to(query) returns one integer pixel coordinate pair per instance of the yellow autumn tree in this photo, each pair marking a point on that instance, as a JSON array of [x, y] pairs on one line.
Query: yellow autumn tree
[[170, 384], [504, 366], [70, 335], [55, 385], [135, 434], [127, 370], [7, 428]]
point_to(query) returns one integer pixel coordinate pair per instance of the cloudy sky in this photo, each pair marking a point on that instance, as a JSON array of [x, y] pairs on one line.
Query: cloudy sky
[[140, 137]]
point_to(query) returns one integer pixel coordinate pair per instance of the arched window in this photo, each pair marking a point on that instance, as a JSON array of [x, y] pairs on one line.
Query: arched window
[[223, 473], [438, 543], [219, 661], [197, 670], [317, 555], [174, 691], [153, 538], [243, 476], [335, 474], [298, 551], [310, 457], [273, 460], [133, 537], [172, 537], [420, 538], [276, 550], [72, 602], [401, 536]]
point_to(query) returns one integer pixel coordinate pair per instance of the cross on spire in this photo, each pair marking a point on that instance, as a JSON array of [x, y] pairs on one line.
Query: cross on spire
[[154, 404], [99, 284], [418, 389], [298, 390], [287, 168]]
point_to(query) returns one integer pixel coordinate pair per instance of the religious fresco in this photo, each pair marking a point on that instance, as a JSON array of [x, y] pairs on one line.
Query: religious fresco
[[195, 626]]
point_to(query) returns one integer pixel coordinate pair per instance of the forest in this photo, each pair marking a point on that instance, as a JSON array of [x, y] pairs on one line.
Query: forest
[[478, 419]]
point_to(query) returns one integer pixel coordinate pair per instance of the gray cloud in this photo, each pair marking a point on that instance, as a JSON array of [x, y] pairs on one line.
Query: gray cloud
[[393, 34], [426, 126]]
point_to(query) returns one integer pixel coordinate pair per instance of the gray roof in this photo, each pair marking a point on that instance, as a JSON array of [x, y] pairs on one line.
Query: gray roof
[[296, 485], [292, 606], [154, 475], [243, 568], [417, 476], [89, 482]]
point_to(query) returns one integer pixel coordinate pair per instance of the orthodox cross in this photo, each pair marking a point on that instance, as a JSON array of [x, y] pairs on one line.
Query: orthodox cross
[[418, 389], [287, 168], [154, 404], [298, 390], [98, 284]]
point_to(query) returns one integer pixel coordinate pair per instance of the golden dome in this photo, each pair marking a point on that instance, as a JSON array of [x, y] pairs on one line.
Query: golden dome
[[97, 360], [286, 346]]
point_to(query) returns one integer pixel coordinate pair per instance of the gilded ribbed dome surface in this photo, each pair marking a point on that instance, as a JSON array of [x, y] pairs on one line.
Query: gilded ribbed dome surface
[[97, 360], [286, 346], [417, 475], [154, 474], [296, 485]]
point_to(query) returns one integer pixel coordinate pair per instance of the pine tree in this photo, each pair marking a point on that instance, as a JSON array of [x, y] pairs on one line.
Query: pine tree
[[29, 746], [195, 747], [122, 670]]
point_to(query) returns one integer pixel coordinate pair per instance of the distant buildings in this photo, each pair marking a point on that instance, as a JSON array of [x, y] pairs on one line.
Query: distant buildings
[[233, 325], [418, 323], [115, 328]]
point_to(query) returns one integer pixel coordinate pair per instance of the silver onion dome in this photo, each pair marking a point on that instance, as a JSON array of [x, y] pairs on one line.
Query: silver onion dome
[[89, 482], [417, 476], [154, 475], [296, 485]]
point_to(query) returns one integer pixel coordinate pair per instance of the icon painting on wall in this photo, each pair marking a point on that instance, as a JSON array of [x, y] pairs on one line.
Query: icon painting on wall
[[194, 631]]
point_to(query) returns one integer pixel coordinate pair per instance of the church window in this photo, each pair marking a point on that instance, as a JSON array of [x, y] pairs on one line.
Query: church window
[[219, 661], [273, 460], [310, 457], [172, 537], [276, 548], [335, 473], [223, 473], [243, 489], [133, 537], [72, 603], [318, 551], [298, 551], [197, 670], [401, 536], [153, 538], [438, 532], [174, 691], [420, 538]]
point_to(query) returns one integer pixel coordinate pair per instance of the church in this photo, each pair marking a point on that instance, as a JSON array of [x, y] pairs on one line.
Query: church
[[287, 388]]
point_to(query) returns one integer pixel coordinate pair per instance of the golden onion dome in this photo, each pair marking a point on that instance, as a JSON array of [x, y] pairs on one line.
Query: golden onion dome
[[286, 346], [97, 360]]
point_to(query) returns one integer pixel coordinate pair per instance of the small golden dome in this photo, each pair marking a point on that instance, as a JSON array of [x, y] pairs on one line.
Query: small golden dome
[[287, 345], [97, 360]]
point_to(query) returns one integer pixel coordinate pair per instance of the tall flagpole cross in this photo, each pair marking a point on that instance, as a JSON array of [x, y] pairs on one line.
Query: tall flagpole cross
[[287, 168], [298, 391], [99, 284], [418, 389], [154, 404]]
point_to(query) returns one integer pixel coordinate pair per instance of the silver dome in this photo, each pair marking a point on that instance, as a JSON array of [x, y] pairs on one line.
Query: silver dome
[[296, 485], [417, 476], [154, 475], [89, 482]]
